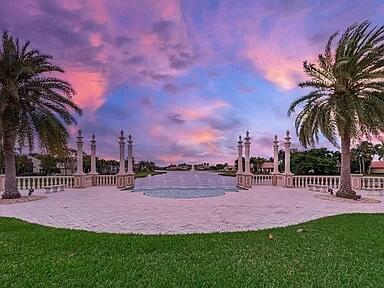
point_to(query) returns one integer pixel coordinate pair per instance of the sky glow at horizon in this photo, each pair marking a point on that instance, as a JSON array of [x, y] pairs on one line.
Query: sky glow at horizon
[[185, 78]]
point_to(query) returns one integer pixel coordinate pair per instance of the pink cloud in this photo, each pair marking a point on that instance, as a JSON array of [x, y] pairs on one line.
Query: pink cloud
[[89, 87], [200, 111], [276, 57]]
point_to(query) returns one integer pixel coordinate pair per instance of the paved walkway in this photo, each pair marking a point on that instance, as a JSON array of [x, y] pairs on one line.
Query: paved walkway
[[108, 210]]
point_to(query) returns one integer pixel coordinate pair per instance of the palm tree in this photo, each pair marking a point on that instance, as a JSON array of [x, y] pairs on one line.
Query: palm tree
[[34, 105], [365, 151], [346, 99]]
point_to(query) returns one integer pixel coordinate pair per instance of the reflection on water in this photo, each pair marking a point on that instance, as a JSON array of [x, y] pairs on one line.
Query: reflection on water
[[189, 184]]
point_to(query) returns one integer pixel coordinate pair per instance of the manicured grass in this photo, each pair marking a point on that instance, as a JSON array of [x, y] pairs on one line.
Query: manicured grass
[[341, 251]]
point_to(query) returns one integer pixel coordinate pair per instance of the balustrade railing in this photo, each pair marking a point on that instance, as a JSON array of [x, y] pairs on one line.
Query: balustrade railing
[[371, 182], [262, 179], [301, 181], [106, 180], [39, 182]]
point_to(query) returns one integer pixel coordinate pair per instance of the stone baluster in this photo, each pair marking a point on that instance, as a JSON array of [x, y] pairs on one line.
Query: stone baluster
[[122, 153], [79, 154], [240, 156], [247, 152], [130, 155]]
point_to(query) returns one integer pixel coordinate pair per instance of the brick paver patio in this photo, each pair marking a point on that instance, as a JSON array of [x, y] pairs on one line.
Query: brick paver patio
[[107, 209]]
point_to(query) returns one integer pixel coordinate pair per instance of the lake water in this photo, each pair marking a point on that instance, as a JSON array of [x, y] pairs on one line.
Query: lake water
[[188, 184]]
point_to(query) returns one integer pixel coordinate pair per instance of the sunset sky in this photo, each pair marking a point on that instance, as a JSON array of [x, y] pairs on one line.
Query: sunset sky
[[185, 78]]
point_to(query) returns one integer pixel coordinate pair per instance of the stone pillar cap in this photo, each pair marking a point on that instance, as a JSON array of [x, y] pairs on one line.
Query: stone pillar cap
[[79, 136], [247, 138], [121, 135]]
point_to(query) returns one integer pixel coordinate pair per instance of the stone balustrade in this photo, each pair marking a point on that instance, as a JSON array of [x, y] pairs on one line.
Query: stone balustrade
[[106, 180], [39, 182], [302, 181], [262, 179], [370, 182]]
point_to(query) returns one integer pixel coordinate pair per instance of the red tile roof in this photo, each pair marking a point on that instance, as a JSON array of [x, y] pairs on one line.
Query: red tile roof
[[377, 164]]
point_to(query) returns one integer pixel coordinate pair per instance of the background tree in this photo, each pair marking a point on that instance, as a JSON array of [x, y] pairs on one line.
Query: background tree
[[346, 100], [34, 104], [365, 152], [48, 164], [315, 162]]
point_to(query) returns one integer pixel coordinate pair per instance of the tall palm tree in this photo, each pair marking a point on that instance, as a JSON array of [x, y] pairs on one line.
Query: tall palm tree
[[346, 99], [35, 106]]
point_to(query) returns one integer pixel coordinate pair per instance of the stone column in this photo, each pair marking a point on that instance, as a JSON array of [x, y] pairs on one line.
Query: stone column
[[240, 156], [247, 153], [131, 175], [130, 156], [247, 171], [122, 177], [122, 153], [93, 171], [81, 180], [287, 146], [275, 161], [287, 175], [240, 179], [79, 154]]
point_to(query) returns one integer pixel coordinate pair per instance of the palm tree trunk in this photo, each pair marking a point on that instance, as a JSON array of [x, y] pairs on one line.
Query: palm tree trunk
[[345, 190], [11, 191]]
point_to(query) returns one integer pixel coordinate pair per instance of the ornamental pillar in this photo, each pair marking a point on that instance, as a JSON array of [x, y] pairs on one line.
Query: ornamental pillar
[[93, 171], [130, 178], [240, 156], [275, 161], [125, 180], [247, 152], [287, 175], [79, 154], [122, 153], [247, 175], [130, 155], [81, 180]]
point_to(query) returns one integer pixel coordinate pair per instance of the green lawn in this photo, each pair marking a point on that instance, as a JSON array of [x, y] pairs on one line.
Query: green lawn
[[342, 251]]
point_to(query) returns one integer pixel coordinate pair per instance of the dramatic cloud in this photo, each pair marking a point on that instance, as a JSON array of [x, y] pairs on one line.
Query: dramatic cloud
[[184, 77]]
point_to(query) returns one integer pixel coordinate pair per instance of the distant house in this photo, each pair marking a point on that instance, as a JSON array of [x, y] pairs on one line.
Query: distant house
[[267, 167], [229, 168], [36, 165], [377, 167]]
